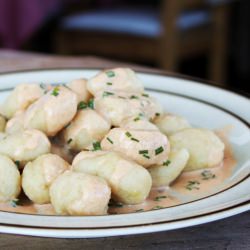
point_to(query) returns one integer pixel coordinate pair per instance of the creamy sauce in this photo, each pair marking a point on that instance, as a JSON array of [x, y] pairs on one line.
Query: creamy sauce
[[188, 187]]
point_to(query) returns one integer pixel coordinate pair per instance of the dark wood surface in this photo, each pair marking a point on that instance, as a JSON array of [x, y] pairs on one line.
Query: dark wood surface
[[231, 233]]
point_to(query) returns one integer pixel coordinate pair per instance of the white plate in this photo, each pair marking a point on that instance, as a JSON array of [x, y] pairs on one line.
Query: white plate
[[203, 106]]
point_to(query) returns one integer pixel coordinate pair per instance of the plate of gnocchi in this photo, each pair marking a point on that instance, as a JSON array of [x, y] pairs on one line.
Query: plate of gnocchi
[[94, 153]]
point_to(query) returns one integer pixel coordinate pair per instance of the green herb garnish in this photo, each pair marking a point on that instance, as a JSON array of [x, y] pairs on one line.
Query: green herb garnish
[[137, 119], [69, 140], [82, 105], [146, 95], [14, 203], [128, 134], [207, 175], [110, 140], [141, 152], [91, 103], [110, 73], [17, 164], [159, 198], [106, 93], [55, 91], [157, 114], [146, 156], [109, 83], [166, 163], [134, 97], [134, 139], [159, 150], [97, 146], [192, 185]]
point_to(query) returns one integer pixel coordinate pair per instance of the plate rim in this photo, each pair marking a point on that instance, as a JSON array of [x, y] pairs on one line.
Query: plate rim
[[194, 80]]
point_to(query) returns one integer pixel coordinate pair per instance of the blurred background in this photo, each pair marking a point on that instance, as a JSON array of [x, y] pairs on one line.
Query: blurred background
[[209, 39]]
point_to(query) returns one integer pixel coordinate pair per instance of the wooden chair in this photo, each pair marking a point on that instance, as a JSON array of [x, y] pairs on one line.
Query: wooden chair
[[175, 31]]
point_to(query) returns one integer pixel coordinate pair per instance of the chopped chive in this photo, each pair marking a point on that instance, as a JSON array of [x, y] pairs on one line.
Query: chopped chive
[[69, 140], [139, 210], [143, 152], [192, 185], [146, 95], [91, 103], [82, 105], [141, 114], [122, 97], [17, 164], [159, 150], [106, 93], [55, 91], [14, 203], [134, 97], [134, 139], [42, 86], [110, 140], [157, 114], [109, 83], [207, 175], [157, 207], [166, 163], [66, 86], [159, 198], [97, 146], [110, 73], [146, 156], [136, 119], [128, 134]]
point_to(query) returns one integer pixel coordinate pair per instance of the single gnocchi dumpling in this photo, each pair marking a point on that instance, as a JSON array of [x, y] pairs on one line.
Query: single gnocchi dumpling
[[130, 183], [20, 98], [138, 123], [204, 146], [24, 146], [39, 174], [170, 124], [2, 123], [52, 112], [16, 123], [117, 106], [10, 179], [121, 79], [75, 193], [79, 87], [166, 173], [143, 146], [85, 129]]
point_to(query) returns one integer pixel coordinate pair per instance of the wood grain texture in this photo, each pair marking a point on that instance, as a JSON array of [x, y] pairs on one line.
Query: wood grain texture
[[231, 233]]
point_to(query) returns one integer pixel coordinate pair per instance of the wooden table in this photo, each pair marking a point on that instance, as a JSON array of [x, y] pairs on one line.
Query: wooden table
[[231, 233]]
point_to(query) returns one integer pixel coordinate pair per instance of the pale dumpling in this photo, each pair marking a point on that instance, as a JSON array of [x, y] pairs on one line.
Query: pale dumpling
[[39, 174], [130, 183], [20, 98], [86, 128], [75, 193], [24, 146], [166, 173], [138, 123], [10, 179], [15, 124], [204, 146], [143, 146], [79, 87], [117, 106], [52, 112], [122, 79], [170, 124]]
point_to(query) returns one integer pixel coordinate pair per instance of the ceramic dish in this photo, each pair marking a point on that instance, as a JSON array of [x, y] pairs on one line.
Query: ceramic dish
[[204, 106]]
